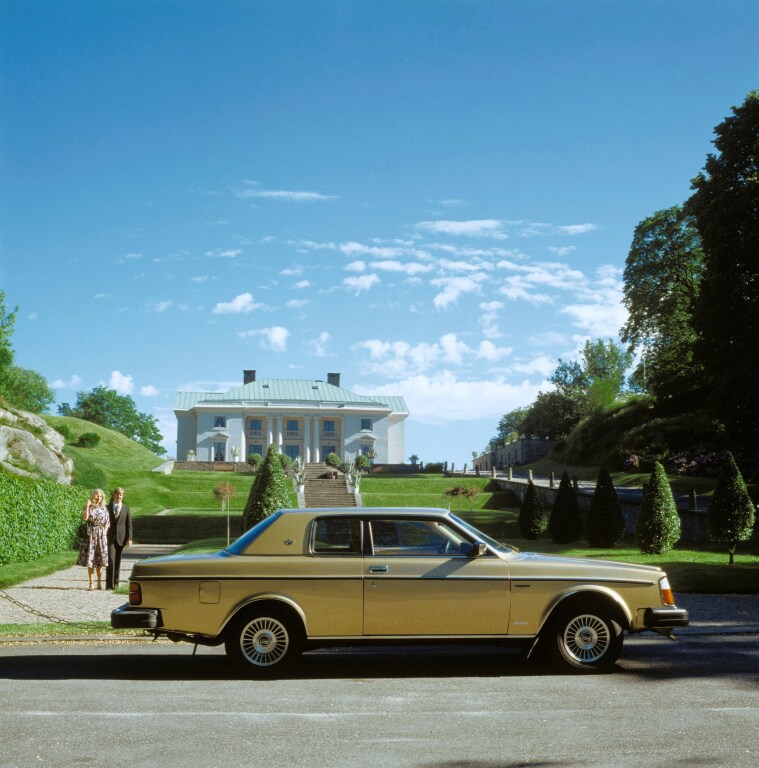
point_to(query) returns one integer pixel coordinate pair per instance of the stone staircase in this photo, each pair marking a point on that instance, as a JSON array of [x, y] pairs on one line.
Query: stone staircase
[[321, 490]]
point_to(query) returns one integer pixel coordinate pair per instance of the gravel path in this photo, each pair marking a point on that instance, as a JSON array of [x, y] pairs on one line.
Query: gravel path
[[64, 595]]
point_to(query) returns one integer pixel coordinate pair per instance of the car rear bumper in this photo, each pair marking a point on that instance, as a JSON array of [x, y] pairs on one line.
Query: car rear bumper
[[665, 618], [126, 617]]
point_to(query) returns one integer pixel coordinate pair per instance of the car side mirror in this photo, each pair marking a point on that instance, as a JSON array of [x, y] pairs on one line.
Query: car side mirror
[[478, 549]]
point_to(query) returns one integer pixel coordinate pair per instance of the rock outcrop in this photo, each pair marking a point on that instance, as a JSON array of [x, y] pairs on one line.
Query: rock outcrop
[[28, 446]]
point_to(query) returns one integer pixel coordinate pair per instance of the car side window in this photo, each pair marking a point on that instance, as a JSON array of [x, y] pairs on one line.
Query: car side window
[[336, 536], [415, 538]]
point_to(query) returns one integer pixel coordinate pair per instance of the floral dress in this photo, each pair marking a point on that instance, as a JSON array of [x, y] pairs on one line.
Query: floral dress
[[94, 551]]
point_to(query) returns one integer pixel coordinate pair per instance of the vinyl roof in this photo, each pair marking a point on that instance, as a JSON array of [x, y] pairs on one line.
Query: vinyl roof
[[290, 391]]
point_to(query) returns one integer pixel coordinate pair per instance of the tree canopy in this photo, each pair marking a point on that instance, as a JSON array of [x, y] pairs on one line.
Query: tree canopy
[[661, 284], [725, 206], [21, 387], [118, 412]]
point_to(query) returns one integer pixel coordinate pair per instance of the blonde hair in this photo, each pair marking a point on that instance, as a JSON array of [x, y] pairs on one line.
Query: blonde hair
[[96, 492]]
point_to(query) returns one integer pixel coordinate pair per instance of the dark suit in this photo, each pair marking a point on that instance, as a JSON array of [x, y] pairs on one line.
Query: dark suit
[[119, 533]]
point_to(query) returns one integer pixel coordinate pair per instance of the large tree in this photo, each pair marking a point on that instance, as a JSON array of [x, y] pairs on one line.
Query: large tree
[[553, 414], [21, 387], [725, 205], [511, 422], [118, 412], [661, 283], [595, 381]]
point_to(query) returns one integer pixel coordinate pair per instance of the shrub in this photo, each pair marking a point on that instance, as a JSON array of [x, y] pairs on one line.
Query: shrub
[[565, 524], [37, 517], [87, 440], [532, 519], [332, 460], [433, 468], [605, 521], [658, 528], [285, 460], [731, 512], [254, 459], [363, 462], [269, 492]]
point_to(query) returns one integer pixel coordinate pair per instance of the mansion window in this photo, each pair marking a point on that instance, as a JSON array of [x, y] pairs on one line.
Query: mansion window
[[366, 425], [328, 428], [219, 421], [253, 448], [255, 428], [292, 428]]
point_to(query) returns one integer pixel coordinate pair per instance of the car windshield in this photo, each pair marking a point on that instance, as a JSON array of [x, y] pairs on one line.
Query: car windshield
[[239, 546], [505, 548]]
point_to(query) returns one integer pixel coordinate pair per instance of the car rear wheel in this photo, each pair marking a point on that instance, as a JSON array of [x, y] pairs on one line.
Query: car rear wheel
[[265, 642], [585, 638]]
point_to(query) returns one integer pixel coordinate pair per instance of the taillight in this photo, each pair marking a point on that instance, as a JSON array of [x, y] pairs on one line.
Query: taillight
[[666, 592], [135, 593]]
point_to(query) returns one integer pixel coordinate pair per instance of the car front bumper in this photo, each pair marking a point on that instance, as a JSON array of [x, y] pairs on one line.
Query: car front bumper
[[665, 618], [126, 617]]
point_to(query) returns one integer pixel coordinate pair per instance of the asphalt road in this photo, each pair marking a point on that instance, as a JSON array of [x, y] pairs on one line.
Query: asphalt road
[[694, 702]]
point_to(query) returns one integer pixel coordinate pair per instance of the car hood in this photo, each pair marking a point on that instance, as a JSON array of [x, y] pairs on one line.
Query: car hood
[[527, 564]]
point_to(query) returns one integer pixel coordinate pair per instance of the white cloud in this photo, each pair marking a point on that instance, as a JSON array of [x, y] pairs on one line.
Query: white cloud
[[296, 303], [379, 252], [490, 310], [453, 287], [200, 279], [318, 345], [149, 391], [292, 271], [355, 266], [121, 382], [242, 304], [542, 365], [361, 283], [291, 196], [231, 253], [72, 383], [577, 229], [490, 352], [303, 284], [563, 250], [161, 306], [492, 228], [411, 268], [274, 338], [443, 397]]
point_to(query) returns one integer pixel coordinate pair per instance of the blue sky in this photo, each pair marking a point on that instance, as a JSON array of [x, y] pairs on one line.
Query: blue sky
[[434, 199]]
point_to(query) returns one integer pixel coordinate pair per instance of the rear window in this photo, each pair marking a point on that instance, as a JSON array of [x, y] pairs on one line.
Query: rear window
[[336, 536]]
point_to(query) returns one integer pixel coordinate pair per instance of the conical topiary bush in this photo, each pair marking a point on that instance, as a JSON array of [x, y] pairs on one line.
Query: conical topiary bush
[[731, 513], [532, 519], [605, 523], [565, 523], [658, 528], [269, 493]]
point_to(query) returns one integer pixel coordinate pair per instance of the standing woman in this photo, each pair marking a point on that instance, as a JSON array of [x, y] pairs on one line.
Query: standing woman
[[94, 551]]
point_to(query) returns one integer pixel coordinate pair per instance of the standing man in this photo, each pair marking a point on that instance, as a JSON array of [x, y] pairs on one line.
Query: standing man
[[119, 536]]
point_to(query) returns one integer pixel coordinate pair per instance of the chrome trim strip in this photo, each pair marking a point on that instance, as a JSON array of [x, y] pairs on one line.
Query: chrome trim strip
[[583, 580], [356, 638]]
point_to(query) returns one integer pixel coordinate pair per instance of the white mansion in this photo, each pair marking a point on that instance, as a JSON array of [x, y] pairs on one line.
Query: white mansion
[[308, 418]]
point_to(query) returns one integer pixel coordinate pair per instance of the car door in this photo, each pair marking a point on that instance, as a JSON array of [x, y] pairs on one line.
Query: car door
[[420, 580]]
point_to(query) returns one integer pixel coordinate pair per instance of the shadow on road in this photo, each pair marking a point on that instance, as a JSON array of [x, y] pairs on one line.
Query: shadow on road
[[734, 657]]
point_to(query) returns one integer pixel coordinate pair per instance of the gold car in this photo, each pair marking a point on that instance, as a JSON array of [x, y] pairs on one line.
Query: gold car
[[306, 578]]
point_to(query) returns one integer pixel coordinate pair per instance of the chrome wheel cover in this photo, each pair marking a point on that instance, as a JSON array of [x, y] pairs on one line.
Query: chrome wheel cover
[[264, 641], [586, 639]]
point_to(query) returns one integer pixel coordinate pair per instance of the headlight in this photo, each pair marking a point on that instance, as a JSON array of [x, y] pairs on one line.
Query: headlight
[[666, 591]]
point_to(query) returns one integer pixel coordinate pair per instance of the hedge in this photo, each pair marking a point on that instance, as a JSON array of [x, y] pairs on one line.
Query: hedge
[[37, 517]]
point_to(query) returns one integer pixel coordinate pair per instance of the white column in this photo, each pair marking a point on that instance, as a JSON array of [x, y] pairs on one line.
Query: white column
[[306, 439], [278, 433], [317, 440]]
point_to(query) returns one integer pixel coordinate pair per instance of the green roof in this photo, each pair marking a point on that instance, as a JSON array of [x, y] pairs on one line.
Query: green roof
[[295, 391]]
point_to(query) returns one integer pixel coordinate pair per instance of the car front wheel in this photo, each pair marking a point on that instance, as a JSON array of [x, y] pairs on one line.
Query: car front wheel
[[264, 643], [584, 637]]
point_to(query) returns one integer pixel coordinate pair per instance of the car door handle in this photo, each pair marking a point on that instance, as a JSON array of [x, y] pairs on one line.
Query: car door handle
[[378, 569]]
